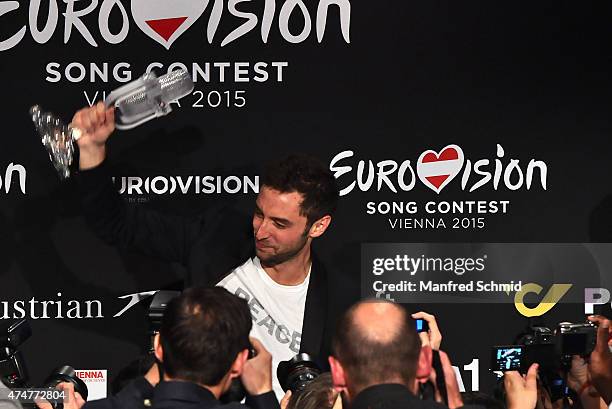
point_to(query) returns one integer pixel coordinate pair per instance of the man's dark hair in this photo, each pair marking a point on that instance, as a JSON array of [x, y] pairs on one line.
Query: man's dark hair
[[369, 361], [202, 332], [318, 394], [309, 177]]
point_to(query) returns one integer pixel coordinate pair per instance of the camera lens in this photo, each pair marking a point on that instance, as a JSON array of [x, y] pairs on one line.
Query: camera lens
[[300, 377], [66, 374], [297, 372]]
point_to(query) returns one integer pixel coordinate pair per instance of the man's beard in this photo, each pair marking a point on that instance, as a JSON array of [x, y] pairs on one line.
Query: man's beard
[[287, 255]]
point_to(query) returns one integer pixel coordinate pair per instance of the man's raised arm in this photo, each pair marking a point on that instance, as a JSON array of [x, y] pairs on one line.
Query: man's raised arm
[[166, 237]]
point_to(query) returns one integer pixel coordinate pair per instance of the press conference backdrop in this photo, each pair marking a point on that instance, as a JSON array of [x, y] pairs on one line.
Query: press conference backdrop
[[445, 122]]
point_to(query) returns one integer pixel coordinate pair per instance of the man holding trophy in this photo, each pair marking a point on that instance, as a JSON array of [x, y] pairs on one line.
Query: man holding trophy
[[265, 258]]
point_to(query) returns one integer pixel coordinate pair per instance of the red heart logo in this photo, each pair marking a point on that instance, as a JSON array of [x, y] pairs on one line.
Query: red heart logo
[[436, 170]]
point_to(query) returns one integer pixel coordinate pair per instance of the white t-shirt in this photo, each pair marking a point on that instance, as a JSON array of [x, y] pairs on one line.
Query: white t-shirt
[[277, 311]]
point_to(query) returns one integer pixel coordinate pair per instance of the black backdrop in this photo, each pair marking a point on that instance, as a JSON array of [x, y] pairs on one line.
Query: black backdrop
[[532, 77]]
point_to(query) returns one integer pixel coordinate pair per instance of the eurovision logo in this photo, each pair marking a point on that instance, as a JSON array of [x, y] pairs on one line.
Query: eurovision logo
[[166, 20], [437, 169]]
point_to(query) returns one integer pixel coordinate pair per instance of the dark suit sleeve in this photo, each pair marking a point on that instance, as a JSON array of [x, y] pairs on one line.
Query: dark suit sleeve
[[166, 237], [132, 396], [264, 401]]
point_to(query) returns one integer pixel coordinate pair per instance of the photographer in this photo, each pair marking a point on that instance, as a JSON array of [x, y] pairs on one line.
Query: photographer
[[203, 344], [592, 379], [378, 359]]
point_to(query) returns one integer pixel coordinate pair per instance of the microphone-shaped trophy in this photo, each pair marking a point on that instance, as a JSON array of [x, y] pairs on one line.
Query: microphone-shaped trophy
[[139, 101]]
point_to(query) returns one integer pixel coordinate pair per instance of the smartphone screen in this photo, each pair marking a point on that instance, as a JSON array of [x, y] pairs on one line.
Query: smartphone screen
[[421, 325], [507, 358]]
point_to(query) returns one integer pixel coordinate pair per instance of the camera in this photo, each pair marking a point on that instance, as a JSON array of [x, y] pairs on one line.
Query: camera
[[552, 350], [577, 339], [297, 372], [66, 373], [13, 371], [236, 391], [156, 313], [538, 335]]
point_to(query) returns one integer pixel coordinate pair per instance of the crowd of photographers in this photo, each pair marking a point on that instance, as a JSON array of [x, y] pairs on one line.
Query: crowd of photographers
[[203, 354]]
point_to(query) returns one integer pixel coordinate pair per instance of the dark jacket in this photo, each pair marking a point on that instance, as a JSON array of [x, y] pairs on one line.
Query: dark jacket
[[188, 395], [391, 396], [210, 246], [140, 394], [136, 395]]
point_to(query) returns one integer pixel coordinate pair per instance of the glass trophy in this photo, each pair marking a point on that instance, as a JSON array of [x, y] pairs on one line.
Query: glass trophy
[[135, 103], [57, 138]]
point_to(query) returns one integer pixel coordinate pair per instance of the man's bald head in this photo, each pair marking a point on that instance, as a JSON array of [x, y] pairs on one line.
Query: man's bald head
[[376, 342], [378, 321]]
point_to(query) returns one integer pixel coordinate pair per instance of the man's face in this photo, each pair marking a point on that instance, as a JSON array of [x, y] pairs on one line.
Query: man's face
[[279, 228]]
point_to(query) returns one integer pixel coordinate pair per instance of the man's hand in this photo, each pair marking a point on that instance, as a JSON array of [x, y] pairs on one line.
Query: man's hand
[[93, 126], [257, 372], [453, 395], [450, 379], [600, 365], [74, 399], [433, 337], [578, 375], [521, 391], [285, 400]]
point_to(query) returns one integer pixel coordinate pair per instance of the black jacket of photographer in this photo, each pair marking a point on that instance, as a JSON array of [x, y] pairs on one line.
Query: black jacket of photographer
[[395, 396], [139, 394], [188, 395], [210, 246]]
